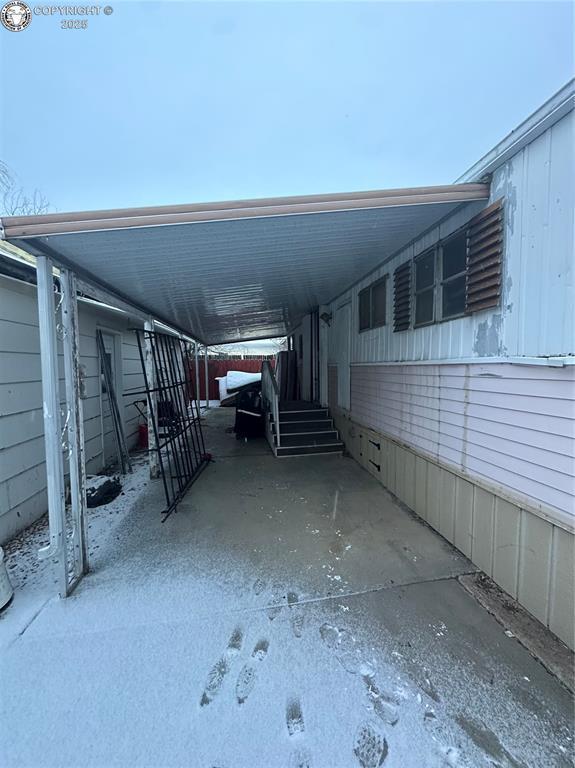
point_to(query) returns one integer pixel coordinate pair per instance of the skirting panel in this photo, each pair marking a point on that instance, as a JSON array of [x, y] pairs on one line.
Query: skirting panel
[[529, 557]]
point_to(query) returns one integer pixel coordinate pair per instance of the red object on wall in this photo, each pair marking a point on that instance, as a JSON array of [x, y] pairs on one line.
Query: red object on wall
[[142, 435], [220, 368]]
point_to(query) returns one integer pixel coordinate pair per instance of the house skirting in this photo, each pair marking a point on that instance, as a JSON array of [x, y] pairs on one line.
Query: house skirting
[[522, 550]]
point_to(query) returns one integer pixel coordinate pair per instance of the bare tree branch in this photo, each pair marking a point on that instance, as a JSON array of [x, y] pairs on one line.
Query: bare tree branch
[[15, 200]]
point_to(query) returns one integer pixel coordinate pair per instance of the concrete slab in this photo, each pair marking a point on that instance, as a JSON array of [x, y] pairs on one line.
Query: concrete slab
[[290, 614], [251, 528], [419, 670]]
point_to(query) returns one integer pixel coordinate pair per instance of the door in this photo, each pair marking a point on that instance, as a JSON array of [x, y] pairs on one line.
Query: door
[[342, 341], [108, 438]]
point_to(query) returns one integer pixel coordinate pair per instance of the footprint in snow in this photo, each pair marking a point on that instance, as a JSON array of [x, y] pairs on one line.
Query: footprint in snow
[[297, 623], [235, 641], [370, 746], [294, 717], [385, 704], [214, 681], [245, 683], [260, 650], [292, 598], [259, 586], [248, 674], [277, 598]]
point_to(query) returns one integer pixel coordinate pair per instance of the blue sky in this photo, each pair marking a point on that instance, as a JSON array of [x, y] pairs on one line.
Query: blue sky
[[178, 102]]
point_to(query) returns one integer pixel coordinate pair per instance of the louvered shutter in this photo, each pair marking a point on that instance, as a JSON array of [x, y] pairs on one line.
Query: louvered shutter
[[402, 297], [484, 259]]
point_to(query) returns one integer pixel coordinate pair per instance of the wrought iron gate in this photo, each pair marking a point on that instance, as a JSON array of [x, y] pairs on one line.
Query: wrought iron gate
[[172, 403]]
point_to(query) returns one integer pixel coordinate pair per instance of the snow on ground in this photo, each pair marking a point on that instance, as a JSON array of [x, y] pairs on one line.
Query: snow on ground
[[223, 638], [21, 552]]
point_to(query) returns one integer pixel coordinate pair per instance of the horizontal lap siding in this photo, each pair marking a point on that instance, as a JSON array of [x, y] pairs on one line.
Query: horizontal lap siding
[[511, 425], [22, 466]]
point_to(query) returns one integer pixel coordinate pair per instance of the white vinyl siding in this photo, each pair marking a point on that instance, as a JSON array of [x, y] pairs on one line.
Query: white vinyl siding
[[512, 425]]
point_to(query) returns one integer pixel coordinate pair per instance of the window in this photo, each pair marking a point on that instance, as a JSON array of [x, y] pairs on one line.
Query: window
[[373, 305], [453, 265], [365, 309], [425, 288], [379, 303], [464, 272]]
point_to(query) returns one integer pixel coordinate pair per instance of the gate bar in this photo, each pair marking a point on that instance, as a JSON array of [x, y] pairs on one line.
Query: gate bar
[[196, 353], [71, 342], [52, 432], [153, 400]]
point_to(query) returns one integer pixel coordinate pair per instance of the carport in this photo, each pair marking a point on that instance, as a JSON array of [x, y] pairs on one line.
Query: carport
[[293, 613], [212, 272]]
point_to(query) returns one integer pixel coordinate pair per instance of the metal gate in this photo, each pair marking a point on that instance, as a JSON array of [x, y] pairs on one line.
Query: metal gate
[[170, 390]]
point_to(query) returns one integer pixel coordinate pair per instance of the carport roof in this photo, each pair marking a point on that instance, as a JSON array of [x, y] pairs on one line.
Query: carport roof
[[229, 271]]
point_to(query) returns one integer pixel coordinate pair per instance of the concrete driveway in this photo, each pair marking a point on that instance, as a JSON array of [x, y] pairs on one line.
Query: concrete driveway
[[290, 614]]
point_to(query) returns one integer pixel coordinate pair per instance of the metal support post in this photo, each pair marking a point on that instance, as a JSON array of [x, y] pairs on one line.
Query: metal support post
[[75, 420], [153, 400], [52, 430], [197, 361], [207, 377]]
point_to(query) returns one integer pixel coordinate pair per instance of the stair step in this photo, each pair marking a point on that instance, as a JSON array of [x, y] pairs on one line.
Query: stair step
[[306, 450], [310, 438], [306, 414], [319, 425], [298, 405]]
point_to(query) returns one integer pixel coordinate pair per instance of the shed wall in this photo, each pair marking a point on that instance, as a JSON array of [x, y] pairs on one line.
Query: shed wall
[[22, 460]]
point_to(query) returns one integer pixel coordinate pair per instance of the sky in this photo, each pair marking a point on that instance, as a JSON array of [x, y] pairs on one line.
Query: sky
[[175, 102]]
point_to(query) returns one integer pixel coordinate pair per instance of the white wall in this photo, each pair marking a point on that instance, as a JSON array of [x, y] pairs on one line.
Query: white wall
[[536, 317], [538, 184], [463, 420], [514, 425], [22, 468]]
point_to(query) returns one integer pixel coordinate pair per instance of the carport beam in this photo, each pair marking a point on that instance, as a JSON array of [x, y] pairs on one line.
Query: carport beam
[[207, 377]]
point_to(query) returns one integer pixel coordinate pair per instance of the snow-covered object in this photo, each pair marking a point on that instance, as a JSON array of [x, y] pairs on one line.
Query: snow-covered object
[[6, 590], [222, 386], [237, 379]]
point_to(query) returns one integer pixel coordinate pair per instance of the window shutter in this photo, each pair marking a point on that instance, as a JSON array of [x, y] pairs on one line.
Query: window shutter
[[402, 297], [484, 259]]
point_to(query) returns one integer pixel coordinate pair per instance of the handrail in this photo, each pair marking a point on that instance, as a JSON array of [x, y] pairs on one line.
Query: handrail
[[271, 400]]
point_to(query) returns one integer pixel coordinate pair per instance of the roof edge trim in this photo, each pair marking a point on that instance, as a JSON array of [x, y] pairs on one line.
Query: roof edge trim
[[17, 227], [549, 113]]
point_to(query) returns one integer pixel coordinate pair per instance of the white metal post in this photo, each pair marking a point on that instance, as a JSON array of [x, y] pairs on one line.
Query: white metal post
[[52, 429], [196, 352], [207, 377], [153, 459], [71, 341]]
